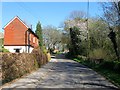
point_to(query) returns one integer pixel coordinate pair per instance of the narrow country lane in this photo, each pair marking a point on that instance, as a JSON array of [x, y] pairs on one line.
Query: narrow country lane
[[62, 73]]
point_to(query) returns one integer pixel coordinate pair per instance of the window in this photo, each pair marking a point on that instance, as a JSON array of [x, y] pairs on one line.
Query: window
[[17, 50], [30, 37], [34, 40]]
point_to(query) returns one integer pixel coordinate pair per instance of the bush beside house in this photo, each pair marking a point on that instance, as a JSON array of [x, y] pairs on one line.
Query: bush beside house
[[3, 50], [15, 65]]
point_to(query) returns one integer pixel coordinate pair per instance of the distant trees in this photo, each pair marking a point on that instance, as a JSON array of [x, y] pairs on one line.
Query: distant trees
[[65, 41], [52, 37], [93, 41], [39, 34]]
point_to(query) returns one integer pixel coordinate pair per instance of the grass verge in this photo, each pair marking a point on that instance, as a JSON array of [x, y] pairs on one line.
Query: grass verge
[[109, 74]]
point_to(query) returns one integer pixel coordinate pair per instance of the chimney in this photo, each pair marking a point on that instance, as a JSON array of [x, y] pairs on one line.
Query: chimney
[[31, 27]]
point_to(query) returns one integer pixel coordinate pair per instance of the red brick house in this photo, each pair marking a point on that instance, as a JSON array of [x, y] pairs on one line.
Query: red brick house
[[18, 37]]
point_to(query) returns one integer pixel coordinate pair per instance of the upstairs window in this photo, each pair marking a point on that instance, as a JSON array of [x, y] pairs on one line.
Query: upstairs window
[[37, 41], [30, 37], [34, 40]]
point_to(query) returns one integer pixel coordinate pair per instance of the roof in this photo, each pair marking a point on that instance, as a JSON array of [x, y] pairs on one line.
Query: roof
[[21, 22], [32, 32]]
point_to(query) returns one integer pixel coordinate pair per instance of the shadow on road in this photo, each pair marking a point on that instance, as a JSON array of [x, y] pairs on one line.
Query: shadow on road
[[60, 56], [65, 73]]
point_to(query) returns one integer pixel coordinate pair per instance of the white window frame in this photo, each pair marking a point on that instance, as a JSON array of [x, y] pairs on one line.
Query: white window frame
[[30, 37], [33, 39]]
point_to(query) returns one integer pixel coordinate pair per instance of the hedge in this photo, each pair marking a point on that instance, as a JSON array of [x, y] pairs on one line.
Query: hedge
[[15, 65]]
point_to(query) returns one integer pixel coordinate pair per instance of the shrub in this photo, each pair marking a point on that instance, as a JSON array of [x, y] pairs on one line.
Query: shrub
[[97, 54], [4, 50], [107, 65], [40, 56], [111, 65], [48, 56], [117, 66], [45, 50], [81, 57]]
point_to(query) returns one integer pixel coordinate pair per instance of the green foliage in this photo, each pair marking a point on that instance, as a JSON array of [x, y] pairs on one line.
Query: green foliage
[[97, 53], [111, 75], [1, 42], [97, 46], [77, 60], [45, 51], [3, 50], [39, 34], [118, 37], [48, 56], [75, 40], [98, 33], [65, 41], [112, 17], [109, 69]]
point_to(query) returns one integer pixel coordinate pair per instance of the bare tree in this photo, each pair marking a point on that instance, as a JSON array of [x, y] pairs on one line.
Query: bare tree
[[51, 36], [77, 15], [111, 13], [77, 19]]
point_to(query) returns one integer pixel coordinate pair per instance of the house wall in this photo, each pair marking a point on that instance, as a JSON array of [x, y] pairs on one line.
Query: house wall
[[15, 33], [16, 36], [33, 40], [22, 48]]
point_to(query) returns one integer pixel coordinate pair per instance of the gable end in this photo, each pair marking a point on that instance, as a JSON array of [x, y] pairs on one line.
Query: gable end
[[13, 20]]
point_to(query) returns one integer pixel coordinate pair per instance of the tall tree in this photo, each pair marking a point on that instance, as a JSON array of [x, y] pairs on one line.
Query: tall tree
[[77, 22], [75, 40], [39, 33], [112, 17]]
